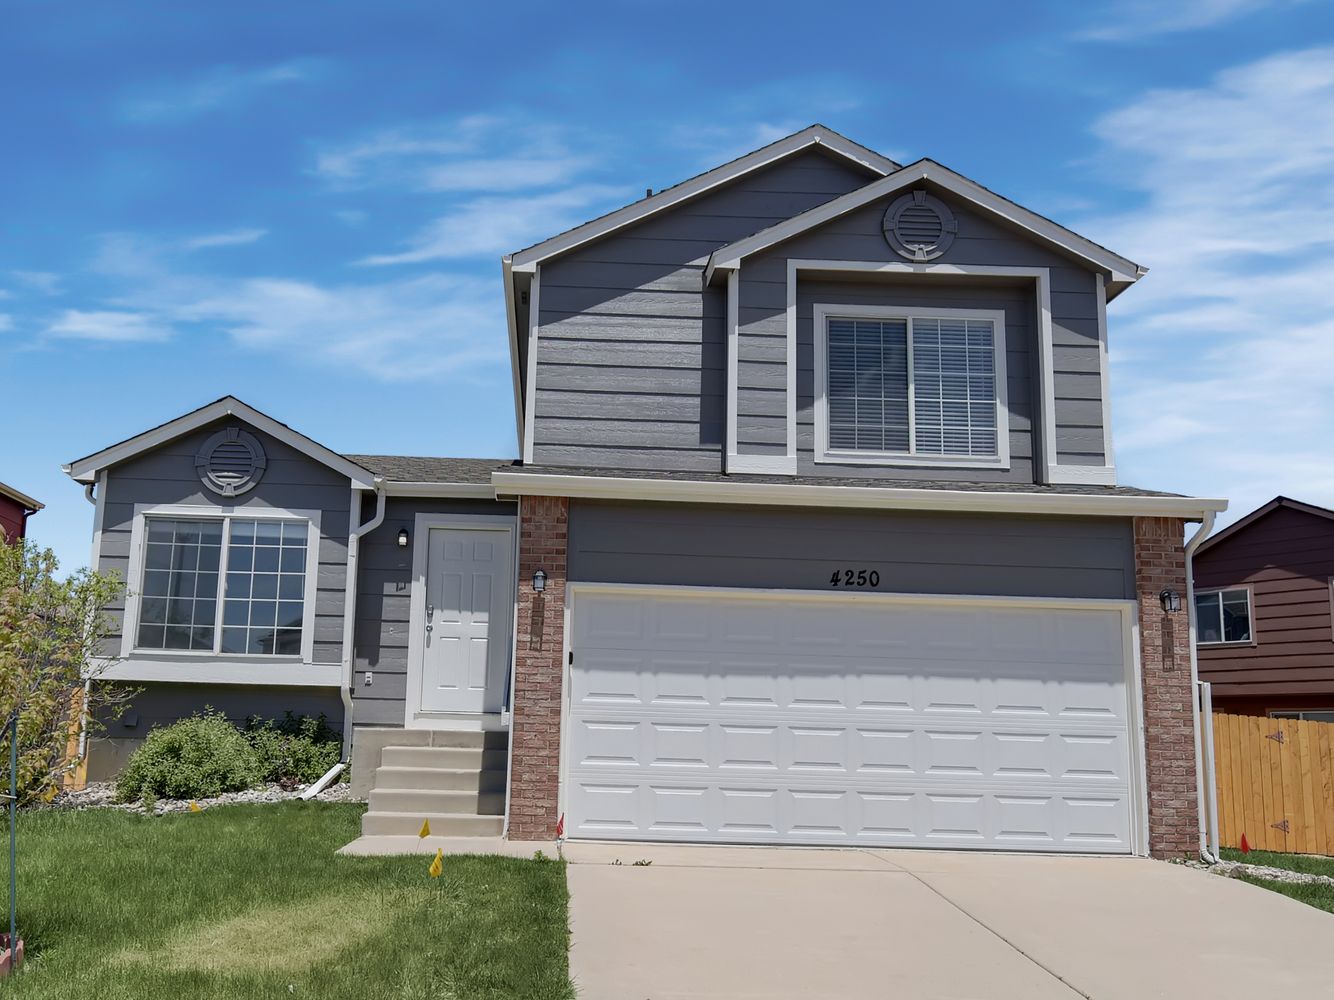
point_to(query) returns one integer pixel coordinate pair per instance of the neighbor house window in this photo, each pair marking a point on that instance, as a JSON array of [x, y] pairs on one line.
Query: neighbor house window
[[917, 388], [1223, 616], [1315, 716], [255, 605]]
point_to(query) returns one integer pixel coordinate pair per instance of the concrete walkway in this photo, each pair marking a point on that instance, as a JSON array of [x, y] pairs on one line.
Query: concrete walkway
[[746, 923]]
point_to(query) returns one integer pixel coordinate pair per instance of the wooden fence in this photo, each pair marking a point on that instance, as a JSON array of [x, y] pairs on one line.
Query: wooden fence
[[1275, 783]]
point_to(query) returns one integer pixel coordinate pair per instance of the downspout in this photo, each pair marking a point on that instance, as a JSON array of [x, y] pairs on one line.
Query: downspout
[[350, 606], [1206, 526], [90, 496]]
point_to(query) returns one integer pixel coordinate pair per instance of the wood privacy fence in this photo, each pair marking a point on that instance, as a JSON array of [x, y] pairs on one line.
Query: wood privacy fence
[[1275, 783]]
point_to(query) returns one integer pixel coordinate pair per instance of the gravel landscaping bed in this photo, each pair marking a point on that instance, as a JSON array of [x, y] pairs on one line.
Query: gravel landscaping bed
[[102, 795], [1236, 869]]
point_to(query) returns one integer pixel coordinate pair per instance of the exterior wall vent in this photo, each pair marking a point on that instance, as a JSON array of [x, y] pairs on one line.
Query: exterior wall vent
[[919, 227], [231, 462]]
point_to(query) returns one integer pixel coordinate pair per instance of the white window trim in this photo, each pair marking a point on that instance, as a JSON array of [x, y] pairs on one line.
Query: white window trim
[[1250, 612], [214, 665], [821, 314]]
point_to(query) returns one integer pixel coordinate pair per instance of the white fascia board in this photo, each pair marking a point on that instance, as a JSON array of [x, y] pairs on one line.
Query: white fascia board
[[1122, 271], [511, 323], [976, 501], [85, 470], [815, 135], [483, 491]]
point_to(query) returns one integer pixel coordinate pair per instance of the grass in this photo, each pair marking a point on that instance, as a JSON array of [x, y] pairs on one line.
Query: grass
[[250, 901], [1319, 896]]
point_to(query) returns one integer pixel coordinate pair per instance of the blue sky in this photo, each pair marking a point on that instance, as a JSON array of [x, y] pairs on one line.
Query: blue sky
[[304, 204]]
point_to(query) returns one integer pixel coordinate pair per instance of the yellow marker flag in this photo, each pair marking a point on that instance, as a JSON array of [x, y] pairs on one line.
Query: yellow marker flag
[[426, 829], [438, 865], [194, 807]]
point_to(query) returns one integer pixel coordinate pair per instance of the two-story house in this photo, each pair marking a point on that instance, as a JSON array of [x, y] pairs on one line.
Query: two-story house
[[815, 537]]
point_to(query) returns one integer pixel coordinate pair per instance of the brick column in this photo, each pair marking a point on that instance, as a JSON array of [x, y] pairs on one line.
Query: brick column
[[535, 731], [1169, 733]]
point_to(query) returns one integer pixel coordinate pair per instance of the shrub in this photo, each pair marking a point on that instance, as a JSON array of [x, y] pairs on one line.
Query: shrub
[[195, 758], [295, 751]]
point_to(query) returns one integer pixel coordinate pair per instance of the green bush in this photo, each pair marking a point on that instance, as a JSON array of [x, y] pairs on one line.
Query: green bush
[[295, 751], [195, 758]]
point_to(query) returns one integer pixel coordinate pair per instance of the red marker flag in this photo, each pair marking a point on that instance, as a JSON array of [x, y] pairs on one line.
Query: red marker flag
[[560, 827], [1245, 847]]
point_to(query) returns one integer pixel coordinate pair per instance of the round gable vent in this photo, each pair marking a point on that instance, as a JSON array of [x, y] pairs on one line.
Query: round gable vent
[[231, 462], [919, 226]]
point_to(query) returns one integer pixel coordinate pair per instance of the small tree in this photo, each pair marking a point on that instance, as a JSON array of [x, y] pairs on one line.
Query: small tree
[[50, 634]]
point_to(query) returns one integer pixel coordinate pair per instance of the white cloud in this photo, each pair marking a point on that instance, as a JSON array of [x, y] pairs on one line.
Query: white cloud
[[6, 322], [496, 225], [230, 238], [108, 326], [43, 282], [1224, 354], [220, 87], [1134, 20]]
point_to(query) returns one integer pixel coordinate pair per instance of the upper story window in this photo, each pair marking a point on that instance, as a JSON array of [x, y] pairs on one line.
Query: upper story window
[[1223, 616], [225, 584], [911, 387]]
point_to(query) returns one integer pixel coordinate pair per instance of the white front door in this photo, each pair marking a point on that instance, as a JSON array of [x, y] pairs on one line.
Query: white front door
[[469, 594], [728, 716]]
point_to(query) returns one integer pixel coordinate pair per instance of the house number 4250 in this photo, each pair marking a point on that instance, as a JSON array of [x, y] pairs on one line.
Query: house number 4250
[[855, 578]]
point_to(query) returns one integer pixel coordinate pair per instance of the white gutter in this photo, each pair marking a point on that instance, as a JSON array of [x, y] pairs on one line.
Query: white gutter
[[1206, 526], [781, 494], [354, 534]]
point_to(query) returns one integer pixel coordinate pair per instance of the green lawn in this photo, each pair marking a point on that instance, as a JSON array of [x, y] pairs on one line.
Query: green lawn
[[1320, 896], [251, 901]]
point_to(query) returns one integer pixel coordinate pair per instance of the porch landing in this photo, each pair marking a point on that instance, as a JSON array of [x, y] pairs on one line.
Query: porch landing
[[376, 846]]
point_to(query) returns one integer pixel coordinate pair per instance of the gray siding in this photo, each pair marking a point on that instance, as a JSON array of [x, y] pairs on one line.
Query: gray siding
[[156, 705], [631, 353], [384, 586], [724, 546], [292, 481], [981, 241]]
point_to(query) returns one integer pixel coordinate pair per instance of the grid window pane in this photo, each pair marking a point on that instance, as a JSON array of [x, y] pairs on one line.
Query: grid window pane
[[868, 385], [952, 386], [264, 586], [180, 583], [266, 560]]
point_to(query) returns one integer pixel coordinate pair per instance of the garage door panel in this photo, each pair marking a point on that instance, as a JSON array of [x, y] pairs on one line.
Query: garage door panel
[[717, 718]]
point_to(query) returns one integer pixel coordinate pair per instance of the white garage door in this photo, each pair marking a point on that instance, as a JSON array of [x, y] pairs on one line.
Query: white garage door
[[729, 717]]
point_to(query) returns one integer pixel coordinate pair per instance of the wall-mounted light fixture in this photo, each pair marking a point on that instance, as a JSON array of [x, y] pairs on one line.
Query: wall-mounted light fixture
[[1170, 600], [402, 538], [539, 581]]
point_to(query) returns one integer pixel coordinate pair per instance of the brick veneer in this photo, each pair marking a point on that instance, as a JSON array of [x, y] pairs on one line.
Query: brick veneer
[[535, 733], [1169, 735]]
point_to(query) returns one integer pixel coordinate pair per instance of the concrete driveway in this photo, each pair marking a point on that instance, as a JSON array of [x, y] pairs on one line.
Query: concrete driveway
[[703, 922]]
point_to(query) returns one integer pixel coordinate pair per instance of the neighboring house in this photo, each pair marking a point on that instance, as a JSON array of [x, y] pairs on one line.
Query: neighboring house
[[15, 509], [815, 538], [1263, 603]]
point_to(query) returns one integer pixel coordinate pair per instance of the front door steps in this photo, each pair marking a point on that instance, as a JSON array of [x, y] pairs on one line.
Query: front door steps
[[457, 785]]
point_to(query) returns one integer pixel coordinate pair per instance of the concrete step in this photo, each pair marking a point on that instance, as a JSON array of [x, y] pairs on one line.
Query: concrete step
[[378, 824], [474, 758], [419, 800], [440, 778]]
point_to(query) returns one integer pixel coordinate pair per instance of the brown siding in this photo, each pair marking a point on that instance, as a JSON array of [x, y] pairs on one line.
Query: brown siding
[[11, 519], [1286, 558]]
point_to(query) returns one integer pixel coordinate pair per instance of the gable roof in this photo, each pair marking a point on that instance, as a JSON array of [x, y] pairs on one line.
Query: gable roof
[[1124, 272], [814, 135], [85, 470], [1241, 525], [21, 498]]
